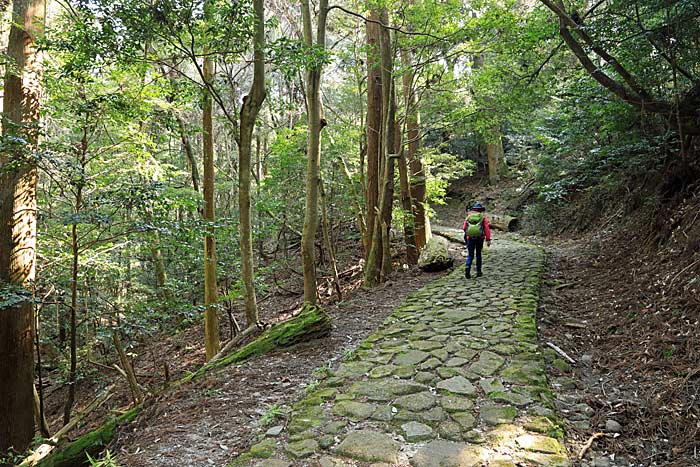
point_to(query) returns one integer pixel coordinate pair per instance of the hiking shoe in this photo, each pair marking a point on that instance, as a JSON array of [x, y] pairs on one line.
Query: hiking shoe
[[467, 274], [479, 274]]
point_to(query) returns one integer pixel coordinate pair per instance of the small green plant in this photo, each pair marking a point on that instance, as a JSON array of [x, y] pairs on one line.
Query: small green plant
[[350, 354], [106, 461], [323, 371], [272, 412], [312, 387]]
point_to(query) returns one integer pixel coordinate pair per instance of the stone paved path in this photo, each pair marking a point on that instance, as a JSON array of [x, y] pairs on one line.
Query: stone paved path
[[454, 378]]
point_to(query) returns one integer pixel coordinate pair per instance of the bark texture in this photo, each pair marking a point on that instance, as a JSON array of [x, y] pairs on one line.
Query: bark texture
[[314, 107], [211, 320], [18, 209], [249, 113]]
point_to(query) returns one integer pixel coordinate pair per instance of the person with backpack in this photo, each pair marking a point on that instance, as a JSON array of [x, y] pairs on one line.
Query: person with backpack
[[476, 230]]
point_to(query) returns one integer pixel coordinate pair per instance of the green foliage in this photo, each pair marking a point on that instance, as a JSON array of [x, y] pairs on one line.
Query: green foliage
[[272, 413], [12, 295], [106, 460], [441, 169]]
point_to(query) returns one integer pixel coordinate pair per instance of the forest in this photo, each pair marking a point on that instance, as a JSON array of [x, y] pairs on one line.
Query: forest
[[233, 233]]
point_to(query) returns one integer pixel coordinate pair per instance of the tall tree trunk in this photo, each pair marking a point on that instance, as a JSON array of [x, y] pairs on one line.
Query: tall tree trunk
[[417, 171], [75, 263], [389, 148], [211, 319], [18, 207], [374, 124], [406, 201], [496, 160], [249, 113], [313, 102]]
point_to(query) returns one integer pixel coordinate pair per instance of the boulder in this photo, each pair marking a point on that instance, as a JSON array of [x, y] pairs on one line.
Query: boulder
[[435, 256]]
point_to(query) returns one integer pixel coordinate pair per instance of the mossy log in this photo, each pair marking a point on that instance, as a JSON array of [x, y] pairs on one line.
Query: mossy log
[[74, 453], [311, 323]]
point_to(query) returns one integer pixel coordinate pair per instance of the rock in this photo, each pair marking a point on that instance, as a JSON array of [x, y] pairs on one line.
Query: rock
[[464, 419], [302, 449], [490, 385], [274, 431], [412, 357], [355, 411], [369, 446], [537, 443], [488, 363], [456, 403], [613, 426], [435, 256], [265, 448], [414, 432], [497, 414], [440, 453], [450, 430], [273, 463], [326, 461], [601, 462], [457, 385], [416, 402], [333, 428], [383, 414]]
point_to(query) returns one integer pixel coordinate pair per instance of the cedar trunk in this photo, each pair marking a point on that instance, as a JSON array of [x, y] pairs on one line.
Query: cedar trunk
[[374, 123], [211, 319], [18, 207], [417, 175]]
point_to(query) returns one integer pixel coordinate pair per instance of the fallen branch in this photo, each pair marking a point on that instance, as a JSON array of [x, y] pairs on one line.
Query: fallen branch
[[589, 443], [561, 352]]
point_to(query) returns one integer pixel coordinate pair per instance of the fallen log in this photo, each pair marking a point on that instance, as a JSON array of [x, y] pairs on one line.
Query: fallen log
[[503, 222], [312, 322]]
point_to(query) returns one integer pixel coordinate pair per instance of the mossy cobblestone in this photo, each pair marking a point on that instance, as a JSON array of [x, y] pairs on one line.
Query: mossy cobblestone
[[454, 376]]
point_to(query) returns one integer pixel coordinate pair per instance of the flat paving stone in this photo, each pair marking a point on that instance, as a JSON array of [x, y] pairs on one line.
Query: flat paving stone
[[369, 446], [414, 432], [441, 453], [457, 385]]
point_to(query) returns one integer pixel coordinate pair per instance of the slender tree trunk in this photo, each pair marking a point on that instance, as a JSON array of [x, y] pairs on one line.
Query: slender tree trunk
[[249, 113], [187, 145], [18, 208], [327, 240], [75, 250], [389, 148], [374, 124], [211, 319], [313, 102]]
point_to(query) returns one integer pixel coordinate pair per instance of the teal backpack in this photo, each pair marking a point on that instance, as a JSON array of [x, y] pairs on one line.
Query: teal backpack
[[475, 225]]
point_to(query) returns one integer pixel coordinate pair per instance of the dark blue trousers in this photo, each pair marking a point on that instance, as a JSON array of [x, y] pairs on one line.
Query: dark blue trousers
[[474, 245]]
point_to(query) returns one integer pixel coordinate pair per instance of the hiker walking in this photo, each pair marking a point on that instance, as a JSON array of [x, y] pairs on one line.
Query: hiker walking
[[476, 230]]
